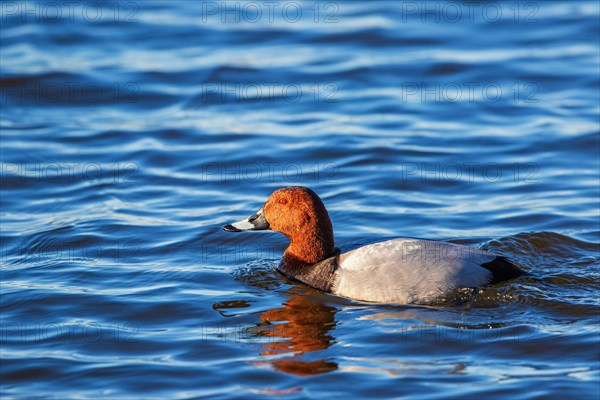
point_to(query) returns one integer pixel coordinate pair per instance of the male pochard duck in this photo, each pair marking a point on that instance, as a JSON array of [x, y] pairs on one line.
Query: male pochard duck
[[400, 271]]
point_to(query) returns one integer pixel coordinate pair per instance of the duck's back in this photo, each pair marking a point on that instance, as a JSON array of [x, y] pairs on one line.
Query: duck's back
[[414, 270]]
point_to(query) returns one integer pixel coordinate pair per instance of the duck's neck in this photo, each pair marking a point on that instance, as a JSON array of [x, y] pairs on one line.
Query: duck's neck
[[312, 260], [310, 248]]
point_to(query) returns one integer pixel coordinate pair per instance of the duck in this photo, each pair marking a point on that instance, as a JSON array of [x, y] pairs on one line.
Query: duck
[[396, 271]]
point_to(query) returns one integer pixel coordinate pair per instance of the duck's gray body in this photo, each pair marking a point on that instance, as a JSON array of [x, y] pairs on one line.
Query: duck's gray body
[[405, 271]]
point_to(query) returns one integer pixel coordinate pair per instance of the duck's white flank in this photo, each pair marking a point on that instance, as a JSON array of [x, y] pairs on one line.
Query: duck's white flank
[[409, 271]]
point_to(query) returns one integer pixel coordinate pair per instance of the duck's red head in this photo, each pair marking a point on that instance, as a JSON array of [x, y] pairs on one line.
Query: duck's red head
[[299, 214]]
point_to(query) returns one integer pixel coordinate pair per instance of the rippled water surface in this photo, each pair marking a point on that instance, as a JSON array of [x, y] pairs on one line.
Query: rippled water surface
[[132, 131]]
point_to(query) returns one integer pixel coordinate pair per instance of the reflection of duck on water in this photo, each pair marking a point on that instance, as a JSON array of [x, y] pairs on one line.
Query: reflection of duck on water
[[301, 326]]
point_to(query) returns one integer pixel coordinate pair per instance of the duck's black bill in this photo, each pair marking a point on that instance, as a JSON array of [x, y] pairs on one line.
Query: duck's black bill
[[256, 222]]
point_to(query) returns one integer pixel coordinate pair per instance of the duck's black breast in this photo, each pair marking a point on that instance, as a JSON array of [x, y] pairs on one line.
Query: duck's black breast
[[320, 275]]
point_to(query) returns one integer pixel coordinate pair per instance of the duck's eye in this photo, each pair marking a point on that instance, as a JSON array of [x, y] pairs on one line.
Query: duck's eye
[[282, 201]]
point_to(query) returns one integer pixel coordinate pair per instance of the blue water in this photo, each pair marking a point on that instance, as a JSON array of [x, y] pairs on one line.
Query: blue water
[[132, 131]]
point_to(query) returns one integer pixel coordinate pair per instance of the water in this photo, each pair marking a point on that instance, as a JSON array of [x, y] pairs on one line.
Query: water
[[132, 131]]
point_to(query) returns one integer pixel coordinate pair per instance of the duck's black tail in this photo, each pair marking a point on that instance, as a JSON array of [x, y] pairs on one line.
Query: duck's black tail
[[502, 269]]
